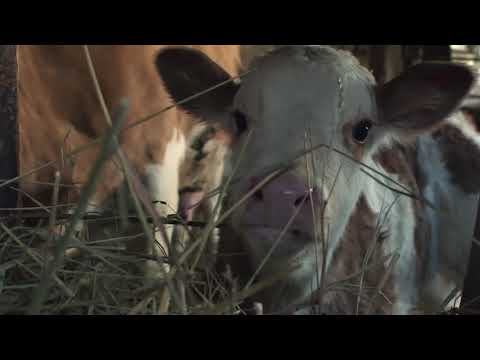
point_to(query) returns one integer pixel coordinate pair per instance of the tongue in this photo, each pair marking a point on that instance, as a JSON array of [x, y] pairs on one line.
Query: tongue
[[189, 200]]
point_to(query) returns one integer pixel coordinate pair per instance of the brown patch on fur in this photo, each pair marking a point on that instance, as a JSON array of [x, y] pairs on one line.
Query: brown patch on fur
[[461, 156], [361, 234], [362, 231]]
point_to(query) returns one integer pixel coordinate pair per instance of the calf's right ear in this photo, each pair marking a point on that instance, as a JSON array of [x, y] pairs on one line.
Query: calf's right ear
[[186, 72], [422, 97]]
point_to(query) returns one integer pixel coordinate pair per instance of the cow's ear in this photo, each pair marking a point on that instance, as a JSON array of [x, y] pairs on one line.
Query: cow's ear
[[187, 72], [423, 97]]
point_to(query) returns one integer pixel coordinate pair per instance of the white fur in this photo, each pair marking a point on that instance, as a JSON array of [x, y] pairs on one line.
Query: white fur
[[395, 212], [163, 179], [437, 186], [163, 183]]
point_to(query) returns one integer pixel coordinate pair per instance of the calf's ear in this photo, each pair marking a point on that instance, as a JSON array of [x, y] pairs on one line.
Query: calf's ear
[[420, 99], [186, 72]]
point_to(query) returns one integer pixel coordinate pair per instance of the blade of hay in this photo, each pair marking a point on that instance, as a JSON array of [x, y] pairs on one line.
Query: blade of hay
[[137, 190], [383, 280], [53, 213], [107, 149], [450, 297], [252, 290], [36, 258]]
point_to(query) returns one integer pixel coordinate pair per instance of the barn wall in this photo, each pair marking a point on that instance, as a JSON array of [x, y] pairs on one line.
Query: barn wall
[[8, 123]]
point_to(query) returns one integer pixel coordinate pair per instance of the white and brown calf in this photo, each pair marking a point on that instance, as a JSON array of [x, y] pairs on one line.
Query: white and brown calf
[[376, 236]]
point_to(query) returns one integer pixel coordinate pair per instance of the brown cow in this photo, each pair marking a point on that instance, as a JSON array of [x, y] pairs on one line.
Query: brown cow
[[59, 111]]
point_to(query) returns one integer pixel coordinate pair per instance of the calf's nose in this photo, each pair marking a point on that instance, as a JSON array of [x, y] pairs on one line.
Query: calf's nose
[[285, 197]]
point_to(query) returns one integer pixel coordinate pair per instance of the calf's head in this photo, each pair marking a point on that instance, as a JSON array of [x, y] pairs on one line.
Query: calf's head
[[295, 98]]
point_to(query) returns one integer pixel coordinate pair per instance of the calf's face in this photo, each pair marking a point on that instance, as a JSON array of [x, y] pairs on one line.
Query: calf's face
[[296, 98]]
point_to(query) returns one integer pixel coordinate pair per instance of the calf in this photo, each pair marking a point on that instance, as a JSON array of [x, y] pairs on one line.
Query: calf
[[59, 111], [328, 159]]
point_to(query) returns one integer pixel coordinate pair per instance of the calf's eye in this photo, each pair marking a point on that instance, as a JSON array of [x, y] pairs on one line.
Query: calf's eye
[[361, 130]]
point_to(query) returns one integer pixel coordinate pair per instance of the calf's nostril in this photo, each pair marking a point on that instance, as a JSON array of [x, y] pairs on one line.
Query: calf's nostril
[[258, 195], [300, 200], [296, 232]]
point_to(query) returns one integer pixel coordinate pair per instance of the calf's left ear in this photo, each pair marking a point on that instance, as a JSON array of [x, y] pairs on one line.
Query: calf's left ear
[[423, 97], [186, 72]]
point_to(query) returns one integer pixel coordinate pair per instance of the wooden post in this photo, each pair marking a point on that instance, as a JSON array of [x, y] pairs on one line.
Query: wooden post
[[377, 62], [8, 123], [386, 62]]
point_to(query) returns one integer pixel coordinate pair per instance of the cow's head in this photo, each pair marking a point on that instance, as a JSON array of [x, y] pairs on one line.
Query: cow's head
[[298, 97]]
